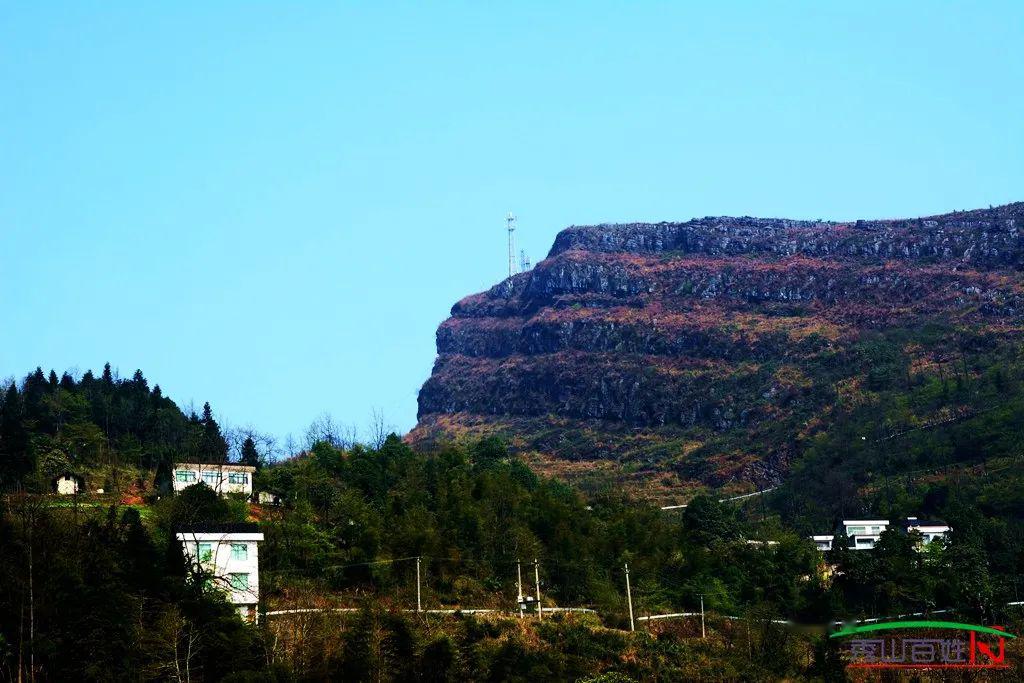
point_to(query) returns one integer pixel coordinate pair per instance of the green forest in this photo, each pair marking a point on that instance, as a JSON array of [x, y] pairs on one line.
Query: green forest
[[94, 586]]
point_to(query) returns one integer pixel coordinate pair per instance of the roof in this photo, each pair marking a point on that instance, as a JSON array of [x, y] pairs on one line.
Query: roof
[[220, 528], [231, 466], [921, 522], [68, 473], [847, 522]]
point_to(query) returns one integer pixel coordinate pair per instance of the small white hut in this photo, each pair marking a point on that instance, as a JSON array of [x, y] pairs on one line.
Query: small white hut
[[68, 484]]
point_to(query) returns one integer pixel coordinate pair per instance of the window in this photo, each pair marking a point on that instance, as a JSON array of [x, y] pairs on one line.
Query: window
[[238, 478], [185, 476], [239, 582], [855, 530], [211, 479], [205, 552], [239, 551]]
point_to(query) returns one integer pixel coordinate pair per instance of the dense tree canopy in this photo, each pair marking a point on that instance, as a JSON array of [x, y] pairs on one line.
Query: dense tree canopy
[[49, 426]]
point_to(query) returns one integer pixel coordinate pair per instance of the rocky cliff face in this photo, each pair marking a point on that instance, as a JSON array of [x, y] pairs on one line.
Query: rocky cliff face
[[699, 352]]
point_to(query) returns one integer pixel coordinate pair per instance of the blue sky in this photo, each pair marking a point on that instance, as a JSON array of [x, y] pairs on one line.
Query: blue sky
[[271, 206]]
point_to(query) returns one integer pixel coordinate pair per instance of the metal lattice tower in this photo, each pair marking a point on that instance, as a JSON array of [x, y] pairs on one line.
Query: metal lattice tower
[[524, 261], [511, 222]]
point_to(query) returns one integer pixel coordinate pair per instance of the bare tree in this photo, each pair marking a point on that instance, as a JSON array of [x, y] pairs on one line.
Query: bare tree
[[266, 444], [349, 436], [176, 643], [379, 428], [325, 429], [290, 446]]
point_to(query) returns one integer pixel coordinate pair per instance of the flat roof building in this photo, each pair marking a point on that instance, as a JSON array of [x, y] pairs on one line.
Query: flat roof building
[[226, 557], [224, 478], [930, 529], [823, 542], [864, 533]]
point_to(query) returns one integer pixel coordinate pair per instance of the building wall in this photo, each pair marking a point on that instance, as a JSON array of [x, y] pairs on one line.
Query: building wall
[[930, 533], [217, 477], [222, 563], [67, 486]]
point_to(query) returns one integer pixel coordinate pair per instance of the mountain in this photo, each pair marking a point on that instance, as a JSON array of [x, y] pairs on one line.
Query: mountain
[[715, 352]]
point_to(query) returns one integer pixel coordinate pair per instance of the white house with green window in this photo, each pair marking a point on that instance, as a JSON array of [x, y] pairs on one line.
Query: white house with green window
[[226, 558], [223, 478], [864, 533]]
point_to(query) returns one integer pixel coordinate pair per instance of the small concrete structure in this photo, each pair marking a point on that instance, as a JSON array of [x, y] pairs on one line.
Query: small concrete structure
[[226, 556], [68, 484], [223, 478], [268, 498], [930, 530], [823, 542]]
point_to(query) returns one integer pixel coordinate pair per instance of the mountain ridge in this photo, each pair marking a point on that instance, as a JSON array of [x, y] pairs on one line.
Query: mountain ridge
[[632, 342]]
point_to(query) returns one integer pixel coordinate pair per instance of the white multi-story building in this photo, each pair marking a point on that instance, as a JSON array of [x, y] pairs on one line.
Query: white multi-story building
[[226, 556], [222, 478], [930, 530], [864, 533]]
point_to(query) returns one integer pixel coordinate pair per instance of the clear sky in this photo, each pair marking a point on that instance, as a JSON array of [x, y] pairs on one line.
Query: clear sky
[[271, 206]]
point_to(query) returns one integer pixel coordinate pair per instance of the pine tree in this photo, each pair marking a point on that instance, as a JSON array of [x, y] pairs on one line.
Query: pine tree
[[139, 381], [214, 447], [36, 388], [108, 376], [15, 455], [250, 456]]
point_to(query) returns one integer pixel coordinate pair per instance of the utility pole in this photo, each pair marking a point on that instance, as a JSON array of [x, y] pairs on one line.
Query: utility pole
[[536, 578], [510, 221], [703, 634], [629, 600], [519, 585], [419, 605]]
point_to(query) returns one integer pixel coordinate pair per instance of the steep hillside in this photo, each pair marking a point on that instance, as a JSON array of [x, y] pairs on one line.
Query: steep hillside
[[713, 352]]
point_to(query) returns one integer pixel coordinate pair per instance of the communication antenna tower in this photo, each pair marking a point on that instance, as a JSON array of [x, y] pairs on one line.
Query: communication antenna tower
[[524, 261], [511, 222]]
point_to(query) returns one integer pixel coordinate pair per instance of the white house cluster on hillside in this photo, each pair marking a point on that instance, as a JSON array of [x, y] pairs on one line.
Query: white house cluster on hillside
[[864, 533], [227, 557]]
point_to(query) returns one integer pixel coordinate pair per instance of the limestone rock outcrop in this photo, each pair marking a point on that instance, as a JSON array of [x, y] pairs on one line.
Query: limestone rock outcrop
[[642, 344]]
